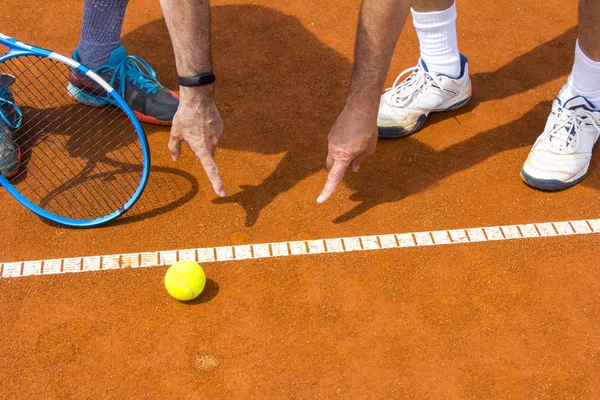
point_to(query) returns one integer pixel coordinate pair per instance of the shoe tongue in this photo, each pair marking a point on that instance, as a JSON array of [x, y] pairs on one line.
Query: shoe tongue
[[579, 102], [117, 55], [424, 65]]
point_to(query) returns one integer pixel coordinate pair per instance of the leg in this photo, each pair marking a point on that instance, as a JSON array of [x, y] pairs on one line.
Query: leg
[[589, 28], [134, 79], [584, 79], [435, 23], [423, 6], [440, 80], [100, 30], [561, 156]]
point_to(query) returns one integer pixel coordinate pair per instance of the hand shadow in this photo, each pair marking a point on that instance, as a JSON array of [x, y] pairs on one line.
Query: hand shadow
[[280, 90], [405, 170]]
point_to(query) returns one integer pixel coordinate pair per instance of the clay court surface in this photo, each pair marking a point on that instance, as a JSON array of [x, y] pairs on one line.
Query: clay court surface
[[515, 318]]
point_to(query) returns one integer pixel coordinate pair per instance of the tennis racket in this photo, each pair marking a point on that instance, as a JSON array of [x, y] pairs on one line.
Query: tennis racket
[[71, 149]]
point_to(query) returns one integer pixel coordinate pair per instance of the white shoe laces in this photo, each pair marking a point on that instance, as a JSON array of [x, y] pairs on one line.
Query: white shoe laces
[[567, 127], [407, 90]]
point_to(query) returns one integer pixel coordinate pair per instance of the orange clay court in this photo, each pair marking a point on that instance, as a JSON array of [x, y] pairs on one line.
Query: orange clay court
[[407, 298]]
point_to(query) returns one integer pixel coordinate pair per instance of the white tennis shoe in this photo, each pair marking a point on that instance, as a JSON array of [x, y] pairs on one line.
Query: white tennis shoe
[[560, 157], [404, 107]]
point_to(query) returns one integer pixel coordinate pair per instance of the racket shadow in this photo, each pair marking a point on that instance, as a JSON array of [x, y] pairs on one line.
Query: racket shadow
[[167, 189], [74, 156]]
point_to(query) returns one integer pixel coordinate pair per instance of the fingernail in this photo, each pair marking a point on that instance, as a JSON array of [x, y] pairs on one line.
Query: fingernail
[[320, 199]]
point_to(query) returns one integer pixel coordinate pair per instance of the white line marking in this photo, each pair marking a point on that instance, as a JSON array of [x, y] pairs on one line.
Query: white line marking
[[261, 250], [316, 247], [352, 244], [334, 245], [280, 249], [32, 268], [223, 254], [388, 241], [441, 237], [546, 229], [241, 252], [298, 248], [206, 255], [50, 267], [594, 224]]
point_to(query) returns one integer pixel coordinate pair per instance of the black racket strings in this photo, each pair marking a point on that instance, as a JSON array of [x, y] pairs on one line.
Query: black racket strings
[[77, 133], [92, 133]]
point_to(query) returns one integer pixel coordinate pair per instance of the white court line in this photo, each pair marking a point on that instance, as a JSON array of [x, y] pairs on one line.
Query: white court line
[[297, 248]]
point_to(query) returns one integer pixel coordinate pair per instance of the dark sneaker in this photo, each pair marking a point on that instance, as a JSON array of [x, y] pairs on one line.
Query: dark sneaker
[[10, 120], [135, 80]]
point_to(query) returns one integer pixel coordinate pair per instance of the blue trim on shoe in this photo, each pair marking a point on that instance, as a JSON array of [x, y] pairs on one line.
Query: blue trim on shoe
[[587, 105], [82, 97], [5, 92], [457, 105], [548, 184], [398, 132], [463, 63], [126, 68]]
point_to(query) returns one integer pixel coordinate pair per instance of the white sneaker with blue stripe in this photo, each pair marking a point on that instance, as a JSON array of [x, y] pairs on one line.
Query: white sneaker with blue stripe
[[404, 107], [561, 155]]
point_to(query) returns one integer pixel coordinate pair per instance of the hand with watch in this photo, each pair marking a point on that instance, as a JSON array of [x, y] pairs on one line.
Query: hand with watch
[[198, 123]]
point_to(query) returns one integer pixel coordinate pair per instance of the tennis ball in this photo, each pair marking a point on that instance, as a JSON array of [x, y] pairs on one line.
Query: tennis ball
[[185, 280]]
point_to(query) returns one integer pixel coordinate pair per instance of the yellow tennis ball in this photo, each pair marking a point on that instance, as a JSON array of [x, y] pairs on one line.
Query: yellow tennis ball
[[185, 280]]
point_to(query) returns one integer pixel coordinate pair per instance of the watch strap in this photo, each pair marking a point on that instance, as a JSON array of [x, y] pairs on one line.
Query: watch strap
[[198, 80]]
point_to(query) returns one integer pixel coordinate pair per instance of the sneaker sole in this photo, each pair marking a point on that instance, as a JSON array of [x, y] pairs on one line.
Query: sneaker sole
[[83, 98], [16, 171], [151, 120], [550, 184], [398, 132]]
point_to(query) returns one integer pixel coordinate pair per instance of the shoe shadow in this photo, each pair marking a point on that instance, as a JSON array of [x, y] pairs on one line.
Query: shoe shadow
[[280, 90], [522, 74], [417, 167]]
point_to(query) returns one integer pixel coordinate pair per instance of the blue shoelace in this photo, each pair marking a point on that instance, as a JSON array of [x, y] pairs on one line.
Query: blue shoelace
[[134, 69], [3, 103]]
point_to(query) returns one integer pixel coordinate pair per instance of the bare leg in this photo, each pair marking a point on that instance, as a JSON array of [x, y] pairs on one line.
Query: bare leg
[[589, 28], [431, 5]]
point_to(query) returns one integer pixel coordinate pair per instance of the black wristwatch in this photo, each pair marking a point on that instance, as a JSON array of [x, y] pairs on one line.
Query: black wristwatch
[[198, 80]]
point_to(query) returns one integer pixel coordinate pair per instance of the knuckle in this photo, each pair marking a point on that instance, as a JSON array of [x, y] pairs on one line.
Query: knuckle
[[213, 170]]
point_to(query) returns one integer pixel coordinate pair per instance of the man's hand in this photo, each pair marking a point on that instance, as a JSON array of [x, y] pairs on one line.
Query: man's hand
[[198, 123], [352, 139]]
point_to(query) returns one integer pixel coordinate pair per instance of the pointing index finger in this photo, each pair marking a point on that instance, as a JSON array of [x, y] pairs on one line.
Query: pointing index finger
[[333, 180], [212, 171]]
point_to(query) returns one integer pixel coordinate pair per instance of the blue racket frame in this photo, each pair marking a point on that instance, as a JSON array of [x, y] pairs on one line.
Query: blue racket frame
[[16, 49]]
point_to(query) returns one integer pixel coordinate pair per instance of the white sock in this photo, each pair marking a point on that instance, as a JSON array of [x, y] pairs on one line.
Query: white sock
[[437, 36], [584, 79]]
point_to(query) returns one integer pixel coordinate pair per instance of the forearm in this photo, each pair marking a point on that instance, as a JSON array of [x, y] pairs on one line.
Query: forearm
[[188, 22], [379, 27]]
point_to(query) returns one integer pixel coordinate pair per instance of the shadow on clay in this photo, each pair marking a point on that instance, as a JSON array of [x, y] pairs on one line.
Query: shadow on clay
[[280, 90]]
